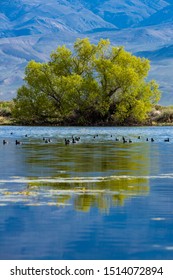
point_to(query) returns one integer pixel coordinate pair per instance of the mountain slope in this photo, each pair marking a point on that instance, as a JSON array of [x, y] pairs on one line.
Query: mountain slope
[[23, 17], [161, 17], [32, 29], [40, 17], [126, 13]]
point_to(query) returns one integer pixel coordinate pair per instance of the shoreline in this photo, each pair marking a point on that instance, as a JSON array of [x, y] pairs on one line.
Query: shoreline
[[9, 122], [158, 116]]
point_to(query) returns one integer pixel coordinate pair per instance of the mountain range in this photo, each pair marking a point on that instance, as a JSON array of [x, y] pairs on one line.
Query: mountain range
[[32, 29]]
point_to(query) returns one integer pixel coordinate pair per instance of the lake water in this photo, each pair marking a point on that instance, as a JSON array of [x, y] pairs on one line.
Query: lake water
[[94, 199]]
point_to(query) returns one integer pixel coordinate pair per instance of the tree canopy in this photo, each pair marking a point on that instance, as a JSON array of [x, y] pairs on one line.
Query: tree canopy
[[91, 84]]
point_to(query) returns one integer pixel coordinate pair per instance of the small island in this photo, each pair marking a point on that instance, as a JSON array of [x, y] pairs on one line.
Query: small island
[[91, 85]]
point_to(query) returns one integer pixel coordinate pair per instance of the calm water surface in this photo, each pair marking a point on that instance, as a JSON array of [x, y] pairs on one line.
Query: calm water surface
[[95, 199]]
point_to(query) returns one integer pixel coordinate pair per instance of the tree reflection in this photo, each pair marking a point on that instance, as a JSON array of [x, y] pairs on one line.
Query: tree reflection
[[99, 175]]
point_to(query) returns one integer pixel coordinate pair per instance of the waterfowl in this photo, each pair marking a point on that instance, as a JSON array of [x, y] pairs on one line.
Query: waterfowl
[[18, 142], [130, 141], [77, 138], [139, 137], [124, 140], [116, 139], [4, 142], [166, 140], [146, 139], [67, 141], [96, 135], [152, 140]]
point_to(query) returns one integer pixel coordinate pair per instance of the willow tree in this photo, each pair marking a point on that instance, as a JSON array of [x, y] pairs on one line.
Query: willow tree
[[88, 84]]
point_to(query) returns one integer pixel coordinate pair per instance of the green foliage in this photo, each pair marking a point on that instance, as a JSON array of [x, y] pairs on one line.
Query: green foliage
[[92, 84]]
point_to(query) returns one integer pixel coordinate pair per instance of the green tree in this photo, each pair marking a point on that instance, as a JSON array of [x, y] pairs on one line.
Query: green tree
[[91, 84]]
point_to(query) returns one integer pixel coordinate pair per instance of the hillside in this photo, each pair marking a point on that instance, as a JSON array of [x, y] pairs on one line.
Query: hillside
[[31, 30]]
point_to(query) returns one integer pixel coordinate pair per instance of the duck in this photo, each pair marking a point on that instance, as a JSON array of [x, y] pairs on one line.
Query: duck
[[4, 142], [152, 139], [77, 138], [166, 140], [67, 141], [124, 140], [18, 142]]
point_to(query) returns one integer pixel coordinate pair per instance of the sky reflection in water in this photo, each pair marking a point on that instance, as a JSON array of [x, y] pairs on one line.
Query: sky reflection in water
[[96, 199]]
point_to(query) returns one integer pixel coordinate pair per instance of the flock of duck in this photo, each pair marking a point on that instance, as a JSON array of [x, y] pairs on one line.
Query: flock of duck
[[121, 139], [75, 139]]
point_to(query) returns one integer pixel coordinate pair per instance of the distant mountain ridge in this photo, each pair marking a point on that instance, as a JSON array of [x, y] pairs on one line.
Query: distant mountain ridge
[[32, 29], [23, 17]]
